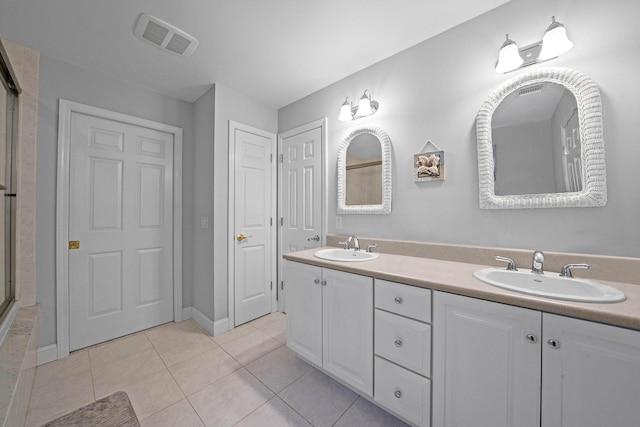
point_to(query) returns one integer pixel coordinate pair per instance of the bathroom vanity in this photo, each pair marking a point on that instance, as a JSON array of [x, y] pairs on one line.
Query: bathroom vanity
[[428, 342]]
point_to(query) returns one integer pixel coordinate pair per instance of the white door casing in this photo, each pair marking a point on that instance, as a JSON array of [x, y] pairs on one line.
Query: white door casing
[[301, 188], [252, 213], [130, 231]]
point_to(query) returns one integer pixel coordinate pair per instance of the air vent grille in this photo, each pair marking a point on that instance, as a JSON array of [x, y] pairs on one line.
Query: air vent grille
[[530, 90], [164, 35]]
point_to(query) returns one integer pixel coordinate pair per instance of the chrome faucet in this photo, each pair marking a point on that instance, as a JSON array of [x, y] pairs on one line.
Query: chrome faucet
[[537, 265], [356, 243]]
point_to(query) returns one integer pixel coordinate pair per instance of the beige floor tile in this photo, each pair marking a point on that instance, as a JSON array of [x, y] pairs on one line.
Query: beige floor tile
[[153, 393], [109, 377], [365, 414], [122, 347], [236, 332], [251, 346], [276, 330], [261, 322], [184, 347], [318, 398], [278, 369], [60, 369], [53, 399], [229, 400], [274, 413], [179, 414], [171, 331], [200, 371]]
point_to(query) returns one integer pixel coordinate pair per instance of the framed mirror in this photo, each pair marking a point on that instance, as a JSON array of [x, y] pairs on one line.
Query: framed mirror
[[364, 172], [540, 142]]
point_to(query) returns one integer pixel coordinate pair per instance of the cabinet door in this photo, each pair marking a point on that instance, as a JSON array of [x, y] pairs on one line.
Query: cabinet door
[[486, 371], [347, 303], [591, 374], [304, 310]]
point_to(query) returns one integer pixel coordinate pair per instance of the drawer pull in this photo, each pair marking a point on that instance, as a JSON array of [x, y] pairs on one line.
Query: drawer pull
[[398, 300], [398, 343], [397, 394], [554, 344], [532, 338], [317, 281]]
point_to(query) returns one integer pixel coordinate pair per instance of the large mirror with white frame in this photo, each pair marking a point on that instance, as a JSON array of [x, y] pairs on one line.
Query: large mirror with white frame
[[540, 142], [364, 172]]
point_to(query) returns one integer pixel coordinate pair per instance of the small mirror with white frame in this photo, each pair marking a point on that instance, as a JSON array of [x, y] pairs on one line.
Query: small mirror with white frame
[[364, 172], [581, 182]]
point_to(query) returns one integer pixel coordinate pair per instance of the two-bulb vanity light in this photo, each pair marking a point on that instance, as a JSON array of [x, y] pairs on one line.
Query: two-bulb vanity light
[[365, 107], [554, 43]]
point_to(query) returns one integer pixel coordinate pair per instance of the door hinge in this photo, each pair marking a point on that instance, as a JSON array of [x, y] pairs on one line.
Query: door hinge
[[281, 158], [271, 158], [271, 222], [282, 284], [281, 220], [74, 244], [271, 285]]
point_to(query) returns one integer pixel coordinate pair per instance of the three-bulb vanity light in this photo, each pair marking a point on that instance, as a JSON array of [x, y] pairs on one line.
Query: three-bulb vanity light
[[365, 107], [554, 43]]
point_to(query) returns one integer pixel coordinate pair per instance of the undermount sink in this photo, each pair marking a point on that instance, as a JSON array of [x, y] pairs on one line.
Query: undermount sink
[[338, 254], [550, 285]]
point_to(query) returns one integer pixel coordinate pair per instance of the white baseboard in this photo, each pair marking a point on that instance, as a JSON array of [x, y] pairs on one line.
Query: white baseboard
[[47, 354], [220, 326], [213, 328]]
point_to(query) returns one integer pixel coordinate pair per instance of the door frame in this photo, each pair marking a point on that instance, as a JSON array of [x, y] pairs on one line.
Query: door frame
[[66, 108], [322, 124], [231, 210]]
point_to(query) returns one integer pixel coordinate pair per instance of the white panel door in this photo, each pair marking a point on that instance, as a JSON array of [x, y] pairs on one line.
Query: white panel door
[[486, 371], [253, 243], [300, 192], [120, 211], [590, 374]]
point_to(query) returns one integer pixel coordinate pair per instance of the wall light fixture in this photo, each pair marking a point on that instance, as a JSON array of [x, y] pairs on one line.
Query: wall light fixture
[[553, 44], [365, 107]]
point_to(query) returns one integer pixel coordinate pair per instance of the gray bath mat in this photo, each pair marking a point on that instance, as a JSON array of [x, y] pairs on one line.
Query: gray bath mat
[[112, 411]]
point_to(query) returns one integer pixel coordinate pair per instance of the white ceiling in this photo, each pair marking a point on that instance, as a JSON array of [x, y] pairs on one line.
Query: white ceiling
[[276, 51]]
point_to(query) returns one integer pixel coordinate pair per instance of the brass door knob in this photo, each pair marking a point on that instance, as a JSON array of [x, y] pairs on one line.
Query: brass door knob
[[241, 237]]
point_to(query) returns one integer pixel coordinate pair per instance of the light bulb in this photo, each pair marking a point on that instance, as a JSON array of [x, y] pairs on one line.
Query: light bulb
[[509, 57], [345, 111], [364, 107], [555, 41]]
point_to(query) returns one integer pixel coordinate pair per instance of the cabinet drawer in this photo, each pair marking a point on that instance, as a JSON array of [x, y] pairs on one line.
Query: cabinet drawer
[[402, 391], [406, 300], [404, 341]]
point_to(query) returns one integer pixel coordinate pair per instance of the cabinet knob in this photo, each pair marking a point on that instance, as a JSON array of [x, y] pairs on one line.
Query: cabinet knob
[[323, 283], [398, 300], [555, 344], [317, 281], [397, 394], [398, 343], [532, 338]]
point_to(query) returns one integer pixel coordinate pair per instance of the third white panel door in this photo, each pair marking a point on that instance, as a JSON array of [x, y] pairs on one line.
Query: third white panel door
[[301, 192], [120, 211], [253, 246]]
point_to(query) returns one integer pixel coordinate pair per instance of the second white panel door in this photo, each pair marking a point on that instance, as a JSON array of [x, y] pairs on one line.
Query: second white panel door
[[120, 200]]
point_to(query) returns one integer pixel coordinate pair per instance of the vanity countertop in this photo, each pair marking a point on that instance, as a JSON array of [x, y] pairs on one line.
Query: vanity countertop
[[457, 278]]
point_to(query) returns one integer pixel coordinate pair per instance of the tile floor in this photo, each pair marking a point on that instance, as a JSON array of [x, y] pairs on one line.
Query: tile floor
[[178, 375]]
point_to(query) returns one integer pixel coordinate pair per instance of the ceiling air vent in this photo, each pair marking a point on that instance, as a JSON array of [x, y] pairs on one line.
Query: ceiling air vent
[[164, 36]]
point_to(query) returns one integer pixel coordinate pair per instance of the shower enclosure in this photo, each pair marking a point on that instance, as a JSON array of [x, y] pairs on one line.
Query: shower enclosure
[[8, 128]]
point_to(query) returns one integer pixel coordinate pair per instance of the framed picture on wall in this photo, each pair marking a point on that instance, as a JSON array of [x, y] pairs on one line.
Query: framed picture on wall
[[428, 165]]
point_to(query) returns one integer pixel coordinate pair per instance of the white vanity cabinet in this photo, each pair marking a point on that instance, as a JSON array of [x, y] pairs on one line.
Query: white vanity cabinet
[[486, 363], [403, 350], [330, 322], [590, 374], [492, 366]]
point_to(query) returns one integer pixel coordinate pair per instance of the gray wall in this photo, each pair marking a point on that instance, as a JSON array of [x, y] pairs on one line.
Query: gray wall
[[434, 90], [62, 80], [229, 105]]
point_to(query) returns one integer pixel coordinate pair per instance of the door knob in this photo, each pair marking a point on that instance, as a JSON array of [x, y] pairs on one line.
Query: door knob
[[316, 238], [241, 237]]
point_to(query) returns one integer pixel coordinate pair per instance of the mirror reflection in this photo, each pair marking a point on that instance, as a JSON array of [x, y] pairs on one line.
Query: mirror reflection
[[364, 171], [536, 141]]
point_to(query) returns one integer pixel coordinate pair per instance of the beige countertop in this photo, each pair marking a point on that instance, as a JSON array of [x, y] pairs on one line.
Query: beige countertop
[[457, 278]]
